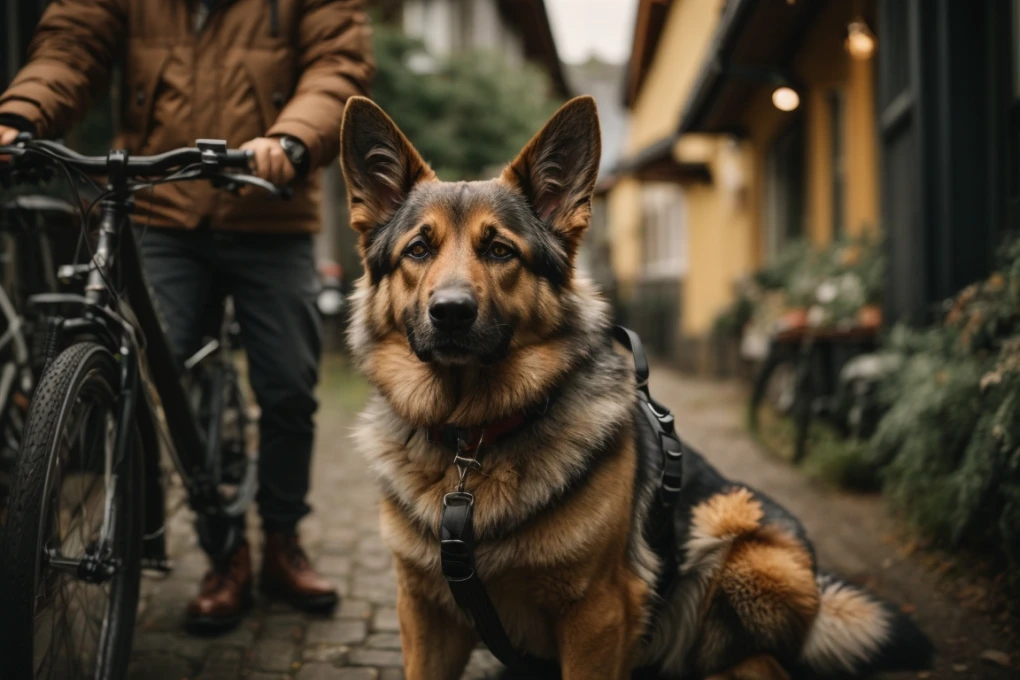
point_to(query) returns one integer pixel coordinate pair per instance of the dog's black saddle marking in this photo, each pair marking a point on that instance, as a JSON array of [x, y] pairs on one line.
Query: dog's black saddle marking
[[457, 550]]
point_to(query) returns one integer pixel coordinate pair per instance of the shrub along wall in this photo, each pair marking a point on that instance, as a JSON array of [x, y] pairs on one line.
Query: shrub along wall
[[946, 450], [948, 447]]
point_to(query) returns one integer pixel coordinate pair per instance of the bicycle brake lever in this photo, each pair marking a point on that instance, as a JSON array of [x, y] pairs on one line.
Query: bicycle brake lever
[[224, 183], [234, 183]]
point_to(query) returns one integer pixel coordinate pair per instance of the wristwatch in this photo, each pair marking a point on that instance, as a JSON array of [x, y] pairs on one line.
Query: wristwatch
[[297, 154]]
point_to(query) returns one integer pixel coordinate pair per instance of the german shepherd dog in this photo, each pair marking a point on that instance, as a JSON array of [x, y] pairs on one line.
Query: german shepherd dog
[[470, 309]]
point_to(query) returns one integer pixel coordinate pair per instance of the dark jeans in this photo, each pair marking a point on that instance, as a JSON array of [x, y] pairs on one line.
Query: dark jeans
[[273, 281]]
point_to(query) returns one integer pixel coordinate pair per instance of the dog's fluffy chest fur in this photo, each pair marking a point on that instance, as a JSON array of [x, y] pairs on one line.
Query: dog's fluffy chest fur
[[544, 496]]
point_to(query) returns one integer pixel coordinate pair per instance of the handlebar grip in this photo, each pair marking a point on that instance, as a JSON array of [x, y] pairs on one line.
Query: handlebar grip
[[237, 159]]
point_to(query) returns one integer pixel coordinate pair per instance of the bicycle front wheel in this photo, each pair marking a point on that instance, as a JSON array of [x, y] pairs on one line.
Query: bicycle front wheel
[[72, 545]]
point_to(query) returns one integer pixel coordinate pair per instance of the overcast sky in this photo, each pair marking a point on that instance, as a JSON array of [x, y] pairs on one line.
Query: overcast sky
[[584, 27]]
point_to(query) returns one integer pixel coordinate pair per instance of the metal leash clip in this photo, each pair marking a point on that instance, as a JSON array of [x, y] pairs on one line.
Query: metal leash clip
[[465, 463]]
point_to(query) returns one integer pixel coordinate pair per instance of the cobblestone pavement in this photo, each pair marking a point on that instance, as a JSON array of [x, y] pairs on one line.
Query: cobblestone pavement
[[360, 640]]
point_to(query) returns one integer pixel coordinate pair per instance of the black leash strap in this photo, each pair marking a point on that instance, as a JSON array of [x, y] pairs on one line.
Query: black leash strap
[[457, 551], [457, 540]]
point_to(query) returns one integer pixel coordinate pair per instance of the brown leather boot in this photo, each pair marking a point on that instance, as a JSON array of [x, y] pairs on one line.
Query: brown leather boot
[[287, 573], [224, 596]]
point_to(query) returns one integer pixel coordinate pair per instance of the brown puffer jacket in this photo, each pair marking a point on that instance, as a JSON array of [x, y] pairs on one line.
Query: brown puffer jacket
[[240, 70]]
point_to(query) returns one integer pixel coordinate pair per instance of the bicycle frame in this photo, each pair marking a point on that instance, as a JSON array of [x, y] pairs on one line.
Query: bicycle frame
[[99, 316], [151, 394]]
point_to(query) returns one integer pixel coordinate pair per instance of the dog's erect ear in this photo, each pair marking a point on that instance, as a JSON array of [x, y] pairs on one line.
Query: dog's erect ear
[[380, 165], [557, 169]]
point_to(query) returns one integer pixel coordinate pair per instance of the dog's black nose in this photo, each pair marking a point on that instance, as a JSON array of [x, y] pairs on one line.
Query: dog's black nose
[[453, 309]]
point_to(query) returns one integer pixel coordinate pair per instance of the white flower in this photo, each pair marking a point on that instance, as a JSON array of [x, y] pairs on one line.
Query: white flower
[[827, 291]]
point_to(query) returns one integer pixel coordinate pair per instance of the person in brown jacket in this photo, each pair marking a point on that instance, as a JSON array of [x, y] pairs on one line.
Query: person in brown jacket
[[267, 75]]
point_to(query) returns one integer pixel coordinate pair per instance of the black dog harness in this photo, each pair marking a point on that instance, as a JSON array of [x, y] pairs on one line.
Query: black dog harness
[[457, 543]]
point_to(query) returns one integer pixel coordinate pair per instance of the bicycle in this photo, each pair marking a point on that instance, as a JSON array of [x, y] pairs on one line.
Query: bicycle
[[801, 379], [26, 225], [88, 506]]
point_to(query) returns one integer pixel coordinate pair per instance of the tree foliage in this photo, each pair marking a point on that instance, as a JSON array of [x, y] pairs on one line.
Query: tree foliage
[[466, 113]]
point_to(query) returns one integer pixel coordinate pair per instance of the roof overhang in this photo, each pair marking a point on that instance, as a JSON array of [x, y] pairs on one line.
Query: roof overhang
[[648, 27], [532, 21], [753, 47], [657, 162]]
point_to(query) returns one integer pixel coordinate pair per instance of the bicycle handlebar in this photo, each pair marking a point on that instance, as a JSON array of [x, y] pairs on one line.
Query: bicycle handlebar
[[211, 154]]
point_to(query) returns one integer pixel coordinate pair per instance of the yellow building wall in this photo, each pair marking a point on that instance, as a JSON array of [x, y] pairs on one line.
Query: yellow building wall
[[654, 116], [726, 226], [823, 65], [624, 206], [720, 237], [862, 204], [681, 52]]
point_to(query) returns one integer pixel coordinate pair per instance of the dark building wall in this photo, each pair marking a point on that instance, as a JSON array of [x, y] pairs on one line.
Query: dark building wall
[[18, 19], [940, 97]]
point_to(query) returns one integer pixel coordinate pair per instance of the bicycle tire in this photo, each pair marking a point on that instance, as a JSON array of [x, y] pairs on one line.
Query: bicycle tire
[[228, 440], [804, 407], [776, 357], [83, 374]]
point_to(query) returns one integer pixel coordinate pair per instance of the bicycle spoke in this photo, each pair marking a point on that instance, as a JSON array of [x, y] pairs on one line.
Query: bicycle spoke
[[63, 615], [67, 634], [88, 625]]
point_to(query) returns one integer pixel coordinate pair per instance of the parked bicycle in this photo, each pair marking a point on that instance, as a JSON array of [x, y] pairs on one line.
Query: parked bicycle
[[87, 509], [802, 378], [27, 224]]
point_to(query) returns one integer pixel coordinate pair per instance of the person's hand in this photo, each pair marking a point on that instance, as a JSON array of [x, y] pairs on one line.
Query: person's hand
[[7, 137], [270, 162]]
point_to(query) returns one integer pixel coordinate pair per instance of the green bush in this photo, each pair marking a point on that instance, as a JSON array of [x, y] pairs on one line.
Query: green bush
[[949, 443], [834, 283]]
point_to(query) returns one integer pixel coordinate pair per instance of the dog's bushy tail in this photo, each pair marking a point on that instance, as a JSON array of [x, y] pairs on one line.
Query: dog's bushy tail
[[856, 635]]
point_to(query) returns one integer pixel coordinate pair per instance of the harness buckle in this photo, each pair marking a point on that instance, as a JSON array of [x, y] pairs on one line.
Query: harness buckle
[[456, 544], [672, 469]]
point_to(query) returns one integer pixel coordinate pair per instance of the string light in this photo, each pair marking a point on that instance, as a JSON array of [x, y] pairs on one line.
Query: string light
[[785, 98], [860, 41]]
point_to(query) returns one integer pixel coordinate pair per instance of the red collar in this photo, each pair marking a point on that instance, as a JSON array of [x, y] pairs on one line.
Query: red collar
[[470, 439]]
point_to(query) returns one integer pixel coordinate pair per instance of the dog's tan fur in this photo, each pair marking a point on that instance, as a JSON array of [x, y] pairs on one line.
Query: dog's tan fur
[[559, 509]]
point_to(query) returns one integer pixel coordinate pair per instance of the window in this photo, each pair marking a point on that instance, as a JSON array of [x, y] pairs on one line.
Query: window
[[837, 123], [664, 243], [784, 189]]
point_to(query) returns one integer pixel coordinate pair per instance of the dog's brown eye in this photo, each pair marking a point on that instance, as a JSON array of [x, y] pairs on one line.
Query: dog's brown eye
[[418, 250], [500, 251]]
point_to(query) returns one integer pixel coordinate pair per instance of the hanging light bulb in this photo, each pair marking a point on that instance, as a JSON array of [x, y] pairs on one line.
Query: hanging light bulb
[[785, 98], [860, 41]]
